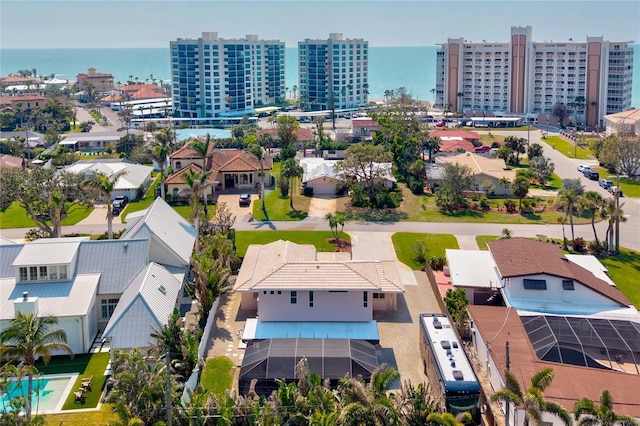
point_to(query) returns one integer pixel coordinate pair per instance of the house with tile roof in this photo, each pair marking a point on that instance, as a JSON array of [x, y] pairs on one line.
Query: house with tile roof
[[304, 135], [319, 174], [125, 287], [284, 281], [230, 168], [487, 171], [103, 82], [10, 161]]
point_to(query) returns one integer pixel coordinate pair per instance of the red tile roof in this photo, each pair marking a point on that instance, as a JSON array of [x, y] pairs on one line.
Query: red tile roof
[[570, 382], [178, 177], [304, 134], [516, 257], [455, 145], [236, 160], [364, 123], [464, 134], [10, 161]]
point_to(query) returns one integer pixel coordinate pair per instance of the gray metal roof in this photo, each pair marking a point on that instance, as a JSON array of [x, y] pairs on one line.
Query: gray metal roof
[[8, 253], [171, 229], [119, 262], [145, 306], [60, 299], [49, 251]]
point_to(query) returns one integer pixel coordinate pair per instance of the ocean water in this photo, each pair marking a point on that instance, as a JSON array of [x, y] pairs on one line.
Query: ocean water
[[389, 67]]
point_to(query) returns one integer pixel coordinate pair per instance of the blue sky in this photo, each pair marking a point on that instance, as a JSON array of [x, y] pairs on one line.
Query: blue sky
[[149, 23]]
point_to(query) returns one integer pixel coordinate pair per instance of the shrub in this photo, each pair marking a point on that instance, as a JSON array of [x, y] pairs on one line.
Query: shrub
[[36, 233], [437, 263], [416, 186], [595, 248], [579, 244], [484, 203], [510, 205], [527, 207], [419, 252], [283, 184]]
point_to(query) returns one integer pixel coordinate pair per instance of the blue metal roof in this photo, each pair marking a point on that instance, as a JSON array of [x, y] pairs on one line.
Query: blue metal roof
[[256, 330]]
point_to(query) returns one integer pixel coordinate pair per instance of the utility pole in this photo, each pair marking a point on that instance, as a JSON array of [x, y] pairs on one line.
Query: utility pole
[[167, 396], [508, 364], [617, 250]]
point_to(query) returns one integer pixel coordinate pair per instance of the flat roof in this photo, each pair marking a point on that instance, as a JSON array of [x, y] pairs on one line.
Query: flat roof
[[472, 268], [255, 329]]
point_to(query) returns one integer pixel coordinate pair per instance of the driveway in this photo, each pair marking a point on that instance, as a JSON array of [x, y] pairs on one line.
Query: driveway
[[242, 214], [321, 205]]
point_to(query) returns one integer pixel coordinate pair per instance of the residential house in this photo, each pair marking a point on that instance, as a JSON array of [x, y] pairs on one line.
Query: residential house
[[179, 188], [623, 122], [304, 136], [33, 139], [487, 172], [94, 141], [25, 103], [286, 282], [320, 175], [364, 127], [135, 175], [456, 140], [10, 161], [230, 168], [103, 82]]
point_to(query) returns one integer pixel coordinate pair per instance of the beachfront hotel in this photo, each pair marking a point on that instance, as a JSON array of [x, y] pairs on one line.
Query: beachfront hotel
[[215, 77], [333, 72], [530, 78]]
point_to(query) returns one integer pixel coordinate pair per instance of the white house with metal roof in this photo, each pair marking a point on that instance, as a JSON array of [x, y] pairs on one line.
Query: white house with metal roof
[[319, 174], [285, 281]]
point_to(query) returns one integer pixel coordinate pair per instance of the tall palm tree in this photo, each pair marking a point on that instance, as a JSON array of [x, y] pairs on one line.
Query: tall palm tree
[[592, 201], [202, 148], [291, 170], [612, 212], [568, 197], [28, 337], [532, 401], [586, 413], [104, 185], [198, 184], [161, 149], [337, 220], [259, 153]]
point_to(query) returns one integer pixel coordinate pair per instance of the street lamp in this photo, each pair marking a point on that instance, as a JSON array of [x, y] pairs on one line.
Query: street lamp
[[528, 134]]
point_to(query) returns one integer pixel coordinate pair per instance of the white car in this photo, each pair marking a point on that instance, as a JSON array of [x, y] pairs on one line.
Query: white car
[[583, 167]]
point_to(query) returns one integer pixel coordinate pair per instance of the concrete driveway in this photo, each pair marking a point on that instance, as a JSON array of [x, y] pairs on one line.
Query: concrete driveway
[[321, 205], [242, 214]]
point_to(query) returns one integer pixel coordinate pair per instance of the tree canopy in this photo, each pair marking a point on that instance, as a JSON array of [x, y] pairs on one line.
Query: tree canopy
[[364, 164]]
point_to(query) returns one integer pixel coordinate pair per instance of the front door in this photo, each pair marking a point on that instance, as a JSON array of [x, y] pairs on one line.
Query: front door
[[228, 180]]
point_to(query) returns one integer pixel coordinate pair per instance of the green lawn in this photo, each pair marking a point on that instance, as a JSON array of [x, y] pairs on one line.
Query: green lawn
[[568, 149], [319, 239], [278, 208], [482, 240], [85, 365], [403, 242], [142, 204], [217, 375], [17, 217], [624, 270], [104, 416], [554, 183]]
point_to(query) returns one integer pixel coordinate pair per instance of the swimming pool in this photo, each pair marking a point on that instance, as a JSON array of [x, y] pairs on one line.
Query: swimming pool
[[50, 392]]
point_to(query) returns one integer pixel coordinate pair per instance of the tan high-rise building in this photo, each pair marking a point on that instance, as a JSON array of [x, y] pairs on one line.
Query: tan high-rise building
[[590, 79]]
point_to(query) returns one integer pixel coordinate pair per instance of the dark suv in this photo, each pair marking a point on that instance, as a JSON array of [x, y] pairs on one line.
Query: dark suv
[[122, 199], [245, 200], [592, 174]]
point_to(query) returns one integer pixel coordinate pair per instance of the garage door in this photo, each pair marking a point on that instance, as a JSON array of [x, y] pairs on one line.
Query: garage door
[[323, 186]]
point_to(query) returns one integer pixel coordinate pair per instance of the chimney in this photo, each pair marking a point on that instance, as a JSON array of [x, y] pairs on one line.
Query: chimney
[[26, 304], [25, 296]]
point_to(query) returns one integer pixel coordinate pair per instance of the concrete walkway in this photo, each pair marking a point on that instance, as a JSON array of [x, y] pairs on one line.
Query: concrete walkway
[[467, 242], [378, 246], [98, 216], [320, 206]]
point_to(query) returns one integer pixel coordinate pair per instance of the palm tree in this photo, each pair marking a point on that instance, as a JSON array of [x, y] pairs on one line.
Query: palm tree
[[291, 170], [448, 419], [198, 183], [586, 413], [336, 220], [368, 403], [612, 212], [568, 197], [201, 147], [592, 201], [28, 337], [160, 151], [104, 185], [532, 400], [258, 152]]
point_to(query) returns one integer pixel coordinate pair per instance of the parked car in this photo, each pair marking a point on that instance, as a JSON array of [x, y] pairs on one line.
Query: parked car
[[493, 151], [482, 149], [592, 174], [123, 199], [117, 207], [615, 190], [583, 167], [440, 123], [606, 184], [245, 200]]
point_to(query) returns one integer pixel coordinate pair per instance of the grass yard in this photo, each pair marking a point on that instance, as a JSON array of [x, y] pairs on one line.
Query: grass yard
[[104, 416], [142, 204], [17, 217], [624, 270], [278, 208], [630, 187], [85, 365], [187, 213], [217, 375], [568, 149], [403, 242], [482, 241], [319, 239]]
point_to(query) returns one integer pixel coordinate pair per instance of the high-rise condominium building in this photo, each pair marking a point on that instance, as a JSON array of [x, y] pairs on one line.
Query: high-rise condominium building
[[213, 77], [590, 79], [333, 73]]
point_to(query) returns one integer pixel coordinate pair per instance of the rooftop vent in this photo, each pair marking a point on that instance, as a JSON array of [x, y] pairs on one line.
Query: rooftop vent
[[162, 289], [437, 324], [457, 374], [25, 296], [455, 345], [445, 344]]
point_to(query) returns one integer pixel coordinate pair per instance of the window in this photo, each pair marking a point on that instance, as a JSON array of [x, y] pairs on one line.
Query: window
[[534, 284], [311, 299], [294, 297], [567, 285], [23, 274], [365, 299], [378, 295], [62, 269], [43, 273], [33, 273], [108, 306]]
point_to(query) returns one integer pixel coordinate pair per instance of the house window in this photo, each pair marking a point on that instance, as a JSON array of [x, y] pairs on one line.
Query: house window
[[62, 269], [534, 284], [53, 273], [567, 285], [23, 274], [378, 295], [43, 273], [365, 299], [311, 299], [33, 273], [178, 165], [294, 297], [108, 306]]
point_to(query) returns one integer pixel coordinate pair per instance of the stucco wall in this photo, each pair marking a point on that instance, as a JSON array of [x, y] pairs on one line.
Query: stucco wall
[[347, 306]]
